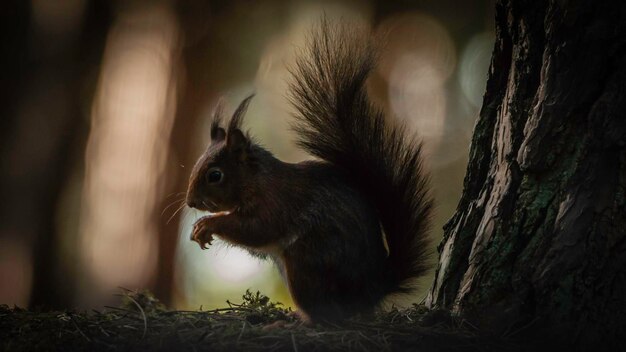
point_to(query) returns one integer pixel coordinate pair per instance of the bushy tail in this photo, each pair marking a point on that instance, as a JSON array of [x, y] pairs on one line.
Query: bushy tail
[[337, 123]]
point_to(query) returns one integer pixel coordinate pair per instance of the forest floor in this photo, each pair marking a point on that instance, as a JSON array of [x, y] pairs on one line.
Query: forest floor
[[142, 323]]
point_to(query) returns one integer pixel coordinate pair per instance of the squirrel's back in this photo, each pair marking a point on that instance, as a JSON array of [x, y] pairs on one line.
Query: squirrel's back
[[337, 123]]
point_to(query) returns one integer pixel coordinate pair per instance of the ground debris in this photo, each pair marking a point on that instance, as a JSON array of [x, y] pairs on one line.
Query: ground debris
[[143, 323]]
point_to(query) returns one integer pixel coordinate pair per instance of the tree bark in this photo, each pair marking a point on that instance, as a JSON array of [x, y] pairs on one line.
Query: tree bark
[[539, 235]]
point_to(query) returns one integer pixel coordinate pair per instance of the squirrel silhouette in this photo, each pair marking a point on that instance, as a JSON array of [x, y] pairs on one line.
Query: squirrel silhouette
[[346, 230]]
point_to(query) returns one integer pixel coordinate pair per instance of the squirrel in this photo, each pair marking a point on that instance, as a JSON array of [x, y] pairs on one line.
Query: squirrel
[[345, 231]]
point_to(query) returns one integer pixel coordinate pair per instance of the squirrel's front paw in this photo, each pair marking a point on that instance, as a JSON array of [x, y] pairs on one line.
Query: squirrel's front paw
[[202, 234]]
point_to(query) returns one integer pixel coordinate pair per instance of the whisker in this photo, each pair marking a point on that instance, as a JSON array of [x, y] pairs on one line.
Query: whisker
[[176, 212], [175, 194], [174, 202]]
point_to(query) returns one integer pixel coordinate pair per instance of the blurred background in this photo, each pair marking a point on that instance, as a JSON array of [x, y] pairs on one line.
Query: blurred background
[[104, 109]]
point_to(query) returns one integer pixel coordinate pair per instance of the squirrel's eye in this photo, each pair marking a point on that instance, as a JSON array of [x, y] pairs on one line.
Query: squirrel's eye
[[215, 176]]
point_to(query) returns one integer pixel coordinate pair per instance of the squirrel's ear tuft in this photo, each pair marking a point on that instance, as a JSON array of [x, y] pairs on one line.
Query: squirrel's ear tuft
[[235, 121], [237, 141], [218, 133]]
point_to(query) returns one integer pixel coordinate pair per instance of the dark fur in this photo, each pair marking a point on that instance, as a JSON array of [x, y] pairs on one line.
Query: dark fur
[[321, 221]]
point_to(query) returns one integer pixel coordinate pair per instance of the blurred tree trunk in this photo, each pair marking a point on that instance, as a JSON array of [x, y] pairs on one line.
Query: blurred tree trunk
[[539, 235], [195, 19], [53, 284], [44, 118], [15, 18]]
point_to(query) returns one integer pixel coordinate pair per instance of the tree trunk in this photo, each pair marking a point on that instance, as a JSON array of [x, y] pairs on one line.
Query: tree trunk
[[77, 66], [49, 63], [539, 235], [193, 98]]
